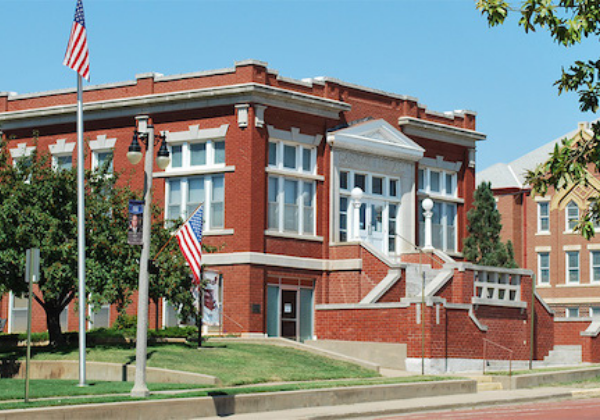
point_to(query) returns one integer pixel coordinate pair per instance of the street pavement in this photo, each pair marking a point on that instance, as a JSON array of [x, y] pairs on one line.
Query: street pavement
[[391, 409]]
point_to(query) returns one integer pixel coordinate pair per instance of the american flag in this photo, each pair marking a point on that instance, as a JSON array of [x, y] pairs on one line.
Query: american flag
[[189, 237], [77, 55]]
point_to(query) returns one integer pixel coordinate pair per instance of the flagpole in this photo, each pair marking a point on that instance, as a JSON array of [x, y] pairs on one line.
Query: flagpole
[[81, 232]]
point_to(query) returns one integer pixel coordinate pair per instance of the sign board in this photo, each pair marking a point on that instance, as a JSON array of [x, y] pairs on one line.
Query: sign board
[[211, 312], [136, 221]]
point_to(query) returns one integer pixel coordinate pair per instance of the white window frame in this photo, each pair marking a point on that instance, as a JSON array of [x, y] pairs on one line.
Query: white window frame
[[542, 217], [568, 219], [208, 200], [592, 266], [280, 201], [540, 268], [568, 268], [426, 189], [592, 311], [572, 312], [186, 155], [279, 161], [92, 314]]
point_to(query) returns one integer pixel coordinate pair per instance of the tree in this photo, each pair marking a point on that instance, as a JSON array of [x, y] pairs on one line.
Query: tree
[[567, 22], [483, 245], [38, 210]]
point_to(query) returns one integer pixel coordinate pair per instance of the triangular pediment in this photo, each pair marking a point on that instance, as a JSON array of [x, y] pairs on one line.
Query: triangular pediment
[[376, 137], [578, 193]]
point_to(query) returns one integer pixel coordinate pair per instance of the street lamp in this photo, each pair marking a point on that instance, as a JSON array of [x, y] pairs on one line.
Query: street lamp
[[145, 134]]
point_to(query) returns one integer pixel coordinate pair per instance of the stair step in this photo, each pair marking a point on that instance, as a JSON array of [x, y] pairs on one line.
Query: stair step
[[481, 378], [489, 386]]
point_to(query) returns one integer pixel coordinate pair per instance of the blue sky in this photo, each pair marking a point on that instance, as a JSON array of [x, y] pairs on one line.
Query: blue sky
[[440, 51]]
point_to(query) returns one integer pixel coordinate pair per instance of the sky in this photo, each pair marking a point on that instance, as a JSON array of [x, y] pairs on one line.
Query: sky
[[440, 51]]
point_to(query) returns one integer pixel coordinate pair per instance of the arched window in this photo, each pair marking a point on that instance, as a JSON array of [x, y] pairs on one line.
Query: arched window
[[572, 216]]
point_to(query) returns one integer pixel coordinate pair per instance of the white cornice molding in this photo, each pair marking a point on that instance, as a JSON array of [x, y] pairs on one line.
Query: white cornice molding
[[237, 258], [177, 101], [440, 132], [440, 163], [200, 170], [194, 133]]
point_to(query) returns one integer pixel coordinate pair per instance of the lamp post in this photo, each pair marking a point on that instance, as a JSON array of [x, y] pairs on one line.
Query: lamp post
[[356, 194], [145, 134], [428, 206]]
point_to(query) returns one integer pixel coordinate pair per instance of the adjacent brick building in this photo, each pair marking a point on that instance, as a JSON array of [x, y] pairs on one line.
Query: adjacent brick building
[[275, 162]]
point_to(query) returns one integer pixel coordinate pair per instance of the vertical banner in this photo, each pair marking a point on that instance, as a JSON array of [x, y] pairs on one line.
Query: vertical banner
[[211, 313], [136, 218]]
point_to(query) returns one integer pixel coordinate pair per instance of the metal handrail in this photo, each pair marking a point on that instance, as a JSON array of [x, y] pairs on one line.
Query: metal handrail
[[485, 341]]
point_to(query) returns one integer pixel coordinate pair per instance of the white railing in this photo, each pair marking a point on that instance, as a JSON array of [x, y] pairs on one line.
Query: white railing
[[496, 287]]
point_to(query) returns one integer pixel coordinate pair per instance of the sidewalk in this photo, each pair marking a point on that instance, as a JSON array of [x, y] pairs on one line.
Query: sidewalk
[[415, 405]]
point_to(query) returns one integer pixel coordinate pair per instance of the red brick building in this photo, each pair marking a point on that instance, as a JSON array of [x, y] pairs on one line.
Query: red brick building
[[275, 161], [567, 266]]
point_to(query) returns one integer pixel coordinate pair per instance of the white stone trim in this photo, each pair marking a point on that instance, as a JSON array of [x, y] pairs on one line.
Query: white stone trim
[[382, 287], [440, 163], [498, 302], [293, 174], [218, 232], [543, 249], [102, 143], [593, 247], [438, 282], [195, 133], [242, 115], [199, 170], [62, 148], [21, 151], [571, 247], [291, 235], [476, 321], [596, 284], [544, 199], [259, 115], [176, 101], [350, 306], [300, 263], [440, 132], [294, 136], [572, 300], [592, 330], [543, 302]]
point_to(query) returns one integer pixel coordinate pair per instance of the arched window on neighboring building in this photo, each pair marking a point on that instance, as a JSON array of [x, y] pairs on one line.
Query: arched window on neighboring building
[[572, 216]]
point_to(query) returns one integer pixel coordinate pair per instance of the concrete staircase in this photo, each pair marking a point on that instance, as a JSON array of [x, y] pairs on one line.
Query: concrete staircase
[[414, 281], [563, 355]]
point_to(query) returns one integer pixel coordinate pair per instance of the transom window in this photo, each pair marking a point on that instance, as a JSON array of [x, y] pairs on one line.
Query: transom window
[[544, 268], [572, 258], [544, 217], [437, 182], [184, 195], [572, 216], [195, 154], [292, 157]]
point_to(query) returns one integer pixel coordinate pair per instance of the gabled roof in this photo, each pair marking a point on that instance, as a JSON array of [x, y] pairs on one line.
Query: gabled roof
[[512, 175], [376, 137]]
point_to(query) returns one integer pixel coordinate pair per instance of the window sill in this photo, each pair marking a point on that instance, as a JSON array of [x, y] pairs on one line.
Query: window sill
[[289, 235], [194, 171], [570, 232], [543, 233], [218, 232], [543, 286], [498, 302], [439, 197], [579, 285], [294, 174]]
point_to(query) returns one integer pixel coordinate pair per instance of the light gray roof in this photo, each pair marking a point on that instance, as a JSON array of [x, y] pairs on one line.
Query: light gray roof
[[512, 175]]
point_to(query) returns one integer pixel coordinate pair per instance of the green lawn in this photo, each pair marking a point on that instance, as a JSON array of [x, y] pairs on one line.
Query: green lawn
[[232, 363]]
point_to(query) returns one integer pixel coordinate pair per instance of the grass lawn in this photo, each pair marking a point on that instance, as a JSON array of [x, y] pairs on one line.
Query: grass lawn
[[232, 363], [58, 388]]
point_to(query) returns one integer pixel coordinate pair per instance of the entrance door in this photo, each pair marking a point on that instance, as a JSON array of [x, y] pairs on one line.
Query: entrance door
[[371, 223], [289, 314]]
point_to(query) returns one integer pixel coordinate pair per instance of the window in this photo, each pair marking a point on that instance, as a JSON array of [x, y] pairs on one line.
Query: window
[[544, 268], [437, 182], [197, 154], [104, 158], [393, 191], [343, 180], [291, 205], [64, 163], [572, 216], [376, 185], [572, 312], [393, 213], [292, 157], [184, 195], [100, 316], [344, 219], [544, 217], [360, 181], [443, 225], [572, 266], [595, 267], [595, 311]]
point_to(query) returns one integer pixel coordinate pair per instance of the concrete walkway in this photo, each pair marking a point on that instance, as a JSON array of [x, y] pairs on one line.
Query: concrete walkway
[[415, 405]]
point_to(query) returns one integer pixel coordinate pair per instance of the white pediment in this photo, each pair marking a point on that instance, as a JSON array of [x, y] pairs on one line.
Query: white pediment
[[376, 137]]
